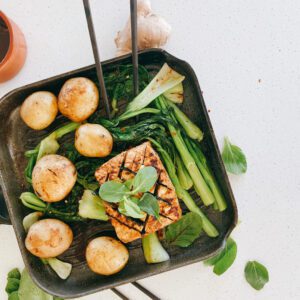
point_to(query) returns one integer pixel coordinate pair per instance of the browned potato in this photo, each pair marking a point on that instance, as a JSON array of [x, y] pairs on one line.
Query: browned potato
[[39, 110], [48, 238], [78, 99], [106, 256], [93, 140], [53, 177]]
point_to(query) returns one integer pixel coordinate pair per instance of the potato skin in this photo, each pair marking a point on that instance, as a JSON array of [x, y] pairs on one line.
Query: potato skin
[[48, 238], [78, 98], [93, 140], [39, 110], [106, 256], [53, 177]]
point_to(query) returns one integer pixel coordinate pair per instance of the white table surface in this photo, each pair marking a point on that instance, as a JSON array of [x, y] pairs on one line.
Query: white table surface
[[247, 58]]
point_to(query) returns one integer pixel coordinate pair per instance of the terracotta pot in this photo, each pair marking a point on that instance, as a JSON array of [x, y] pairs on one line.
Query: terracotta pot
[[14, 59]]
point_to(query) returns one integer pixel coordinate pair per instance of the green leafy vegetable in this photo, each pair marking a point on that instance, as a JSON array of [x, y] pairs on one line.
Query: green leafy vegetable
[[14, 296], [12, 285], [234, 158], [223, 261], [153, 250], [191, 129], [256, 274], [183, 175], [113, 191], [144, 180], [164, 80], [208, 227], [28, 290], [184, 232], [130, 208], [31, 219], [14, 273], [149, 204], [91, 206]]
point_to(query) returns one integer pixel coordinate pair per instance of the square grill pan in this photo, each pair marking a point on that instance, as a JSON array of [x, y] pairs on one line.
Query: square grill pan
[[17, 138]]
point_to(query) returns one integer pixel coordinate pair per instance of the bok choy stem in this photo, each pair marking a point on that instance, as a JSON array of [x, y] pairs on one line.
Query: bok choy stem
[[199, 183]]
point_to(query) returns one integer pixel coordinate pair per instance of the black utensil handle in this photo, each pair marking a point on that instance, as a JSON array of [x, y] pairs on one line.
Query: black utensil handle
[[4, 217]]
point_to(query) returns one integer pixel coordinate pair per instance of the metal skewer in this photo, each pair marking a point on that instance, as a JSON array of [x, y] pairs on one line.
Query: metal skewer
[[134, 45], [89, 20]]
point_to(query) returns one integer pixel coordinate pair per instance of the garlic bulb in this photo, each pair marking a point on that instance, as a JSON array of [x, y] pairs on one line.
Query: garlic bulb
[[153, 30]]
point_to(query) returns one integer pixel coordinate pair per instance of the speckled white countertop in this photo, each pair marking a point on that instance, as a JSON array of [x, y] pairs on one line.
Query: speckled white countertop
[[246, 55]]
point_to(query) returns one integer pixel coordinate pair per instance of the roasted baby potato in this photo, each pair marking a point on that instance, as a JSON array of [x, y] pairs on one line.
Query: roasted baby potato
[[106, 256], [48, 238], [39, 110], [93, 140], [53, 177], [78, 99]]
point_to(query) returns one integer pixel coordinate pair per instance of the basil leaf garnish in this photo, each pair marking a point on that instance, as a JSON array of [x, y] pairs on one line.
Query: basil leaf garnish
[[113, 191], [234, 159], [256, 274], [149, 204], [144, 180], [130, 208]]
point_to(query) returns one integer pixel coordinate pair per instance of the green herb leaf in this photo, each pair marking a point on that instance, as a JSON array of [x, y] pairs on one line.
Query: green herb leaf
[[149, 204], [234, 158], [12, 285], [223, 261], [113, 191], [129, 208], [14, 273], [14, 296], [28, 289], [87, 185], [144, 179], [184, 232], [128, 183], [256, 274]]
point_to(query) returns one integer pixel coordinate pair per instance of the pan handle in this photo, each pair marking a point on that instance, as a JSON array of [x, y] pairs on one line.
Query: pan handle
[[4, 217]]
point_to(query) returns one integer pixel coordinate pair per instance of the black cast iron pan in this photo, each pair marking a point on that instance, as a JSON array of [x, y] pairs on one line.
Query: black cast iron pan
[[17, 138]]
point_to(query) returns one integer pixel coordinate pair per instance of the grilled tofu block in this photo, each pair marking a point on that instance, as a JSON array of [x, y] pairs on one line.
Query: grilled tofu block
[[124, 167]]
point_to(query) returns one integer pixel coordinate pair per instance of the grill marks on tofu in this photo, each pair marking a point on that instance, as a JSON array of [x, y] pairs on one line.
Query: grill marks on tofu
[[124, 167]]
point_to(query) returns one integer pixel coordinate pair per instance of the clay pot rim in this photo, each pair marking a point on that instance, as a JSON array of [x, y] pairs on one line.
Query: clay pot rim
[[11, 38]]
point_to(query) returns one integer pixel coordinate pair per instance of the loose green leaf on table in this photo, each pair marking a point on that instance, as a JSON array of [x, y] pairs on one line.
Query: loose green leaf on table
[[234, 158], [113, 191], [223, 261], [149, 204], [256, 274], [144, 180], [184, 232]]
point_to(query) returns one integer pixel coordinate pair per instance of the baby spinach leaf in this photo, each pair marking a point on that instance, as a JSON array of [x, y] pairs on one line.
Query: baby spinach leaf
[[184, 232], [113, 191], [149, 204], [227, 257], [234, 158], [223, 261], [130, 208], [144, 179], [256, 274]]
